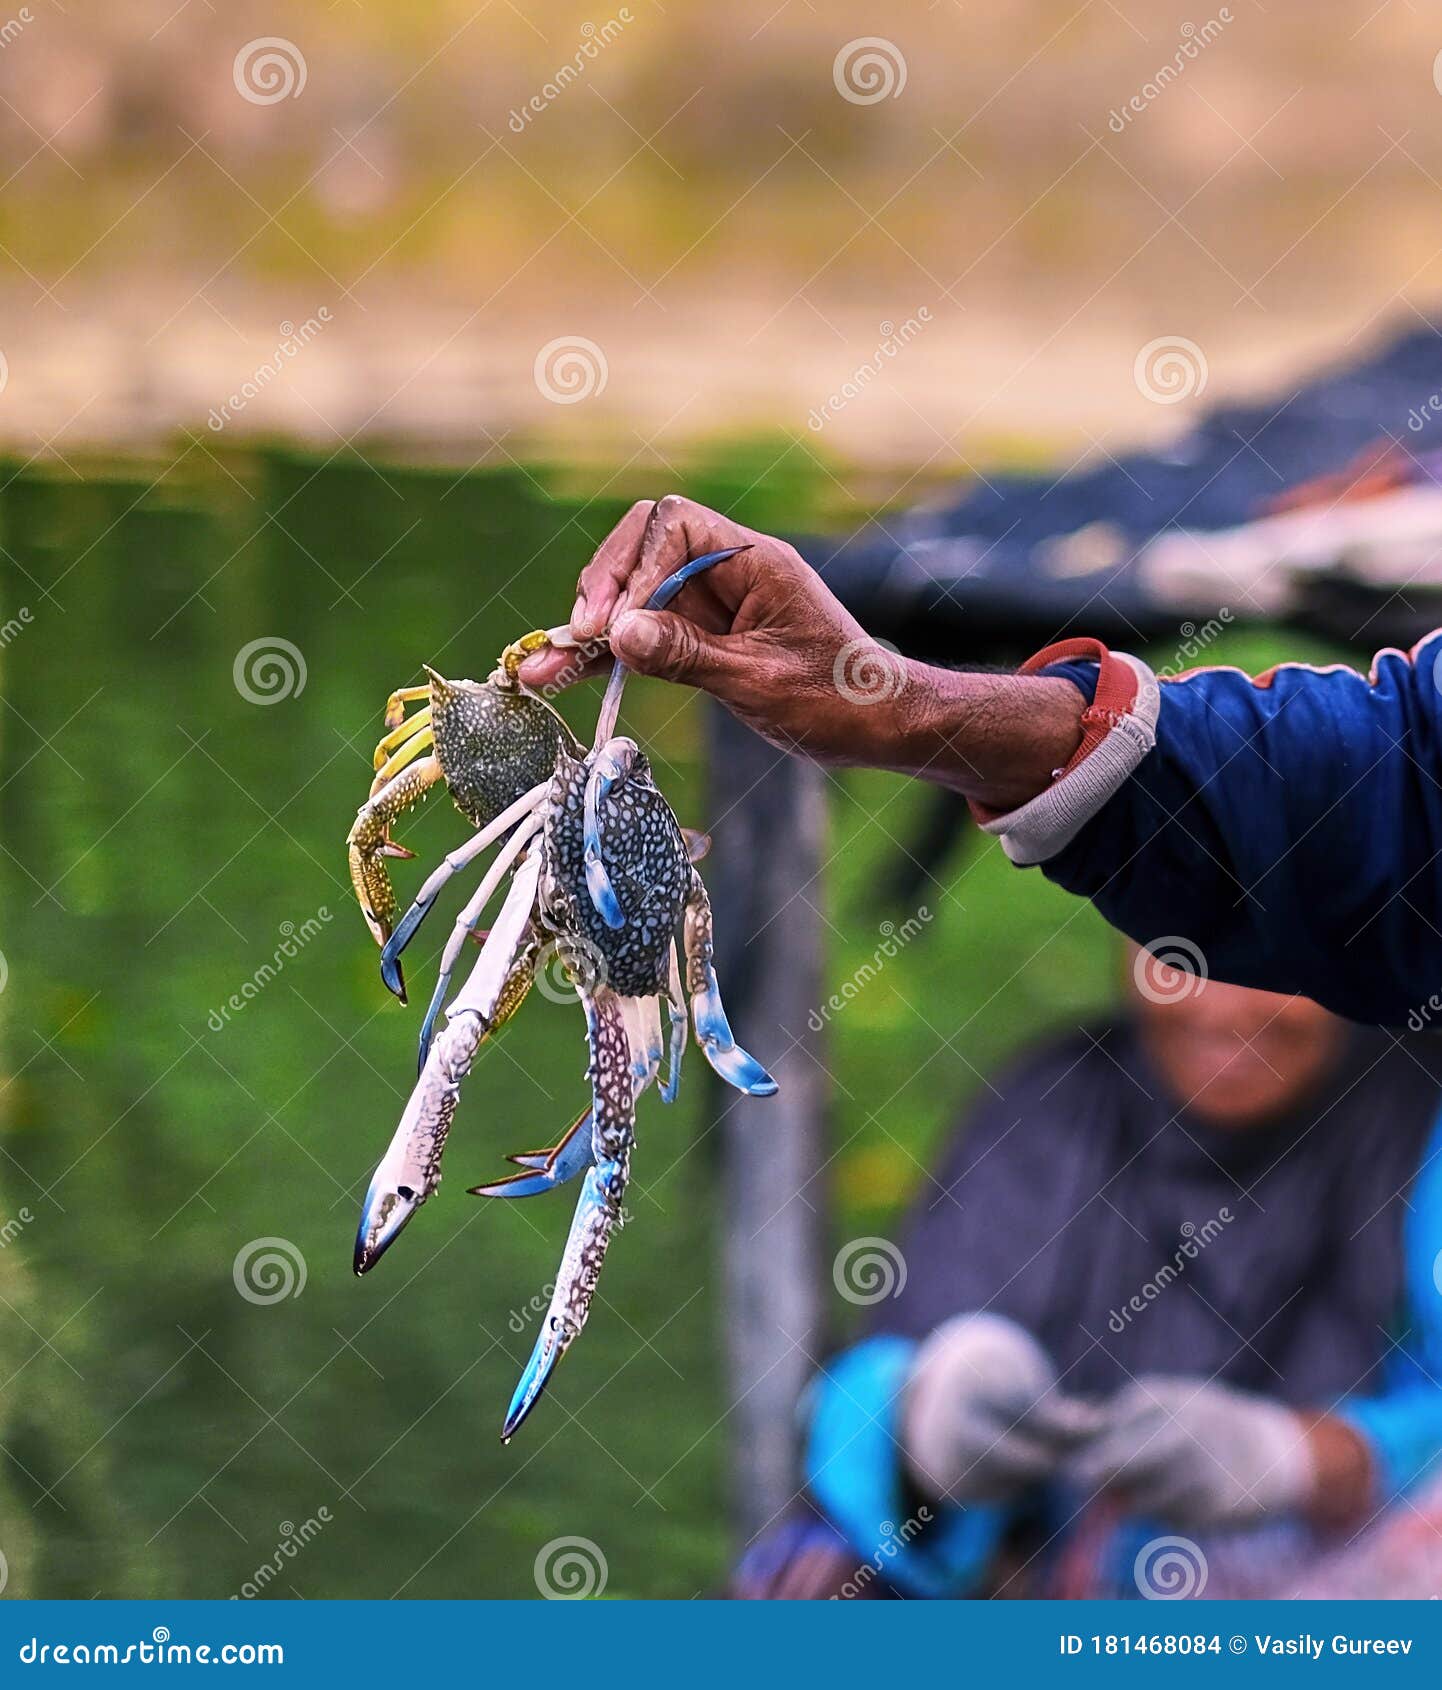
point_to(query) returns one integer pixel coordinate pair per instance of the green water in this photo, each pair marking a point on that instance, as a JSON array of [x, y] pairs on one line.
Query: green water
[[163, 842]]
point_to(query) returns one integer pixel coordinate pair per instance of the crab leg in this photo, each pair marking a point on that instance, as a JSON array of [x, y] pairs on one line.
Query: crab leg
[[615, 756], [546, 1169], [367, 844], [395, 713], [402, 747], [612, 764], [611, 700], [676, 1013], [451, 864], [713, 1031], [466, 921], [410, 1170], [598, 1209]]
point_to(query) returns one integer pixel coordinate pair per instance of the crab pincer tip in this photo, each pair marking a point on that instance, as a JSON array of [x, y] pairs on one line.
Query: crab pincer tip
[[533, 1381], [391, 975], [740, 1069], [384, 1214]]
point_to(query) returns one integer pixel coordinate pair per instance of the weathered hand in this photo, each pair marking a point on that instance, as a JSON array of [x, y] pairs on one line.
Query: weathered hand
[[760, 631], [764, 634]]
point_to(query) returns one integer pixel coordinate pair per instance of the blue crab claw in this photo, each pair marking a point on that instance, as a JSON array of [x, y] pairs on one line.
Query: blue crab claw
[[611, 766], [590, 1226], [546, 1169], [548, 1351], [388, 1206], [611, 699], [713, 1033], [391, 975], [674, 583]]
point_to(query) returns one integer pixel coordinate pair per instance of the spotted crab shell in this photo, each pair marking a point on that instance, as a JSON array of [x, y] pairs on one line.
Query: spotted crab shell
[[493, 743], [645, 855]]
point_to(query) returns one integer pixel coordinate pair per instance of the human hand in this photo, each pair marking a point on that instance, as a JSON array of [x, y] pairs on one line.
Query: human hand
[[984, 1418], [1191, 1453], [760, 631]]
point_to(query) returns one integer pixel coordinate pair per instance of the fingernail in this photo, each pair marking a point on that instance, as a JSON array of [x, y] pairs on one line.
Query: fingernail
[[638, 634], [580, 621]]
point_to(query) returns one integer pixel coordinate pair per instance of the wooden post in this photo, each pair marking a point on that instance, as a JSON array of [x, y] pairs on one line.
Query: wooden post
[[768, 815]]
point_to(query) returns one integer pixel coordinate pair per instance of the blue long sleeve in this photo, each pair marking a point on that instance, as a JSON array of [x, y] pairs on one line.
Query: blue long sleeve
[[855, 1475], [1288, 828]]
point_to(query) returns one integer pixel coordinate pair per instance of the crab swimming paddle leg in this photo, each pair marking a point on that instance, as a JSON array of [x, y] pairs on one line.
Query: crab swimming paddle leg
[[713, 1031]]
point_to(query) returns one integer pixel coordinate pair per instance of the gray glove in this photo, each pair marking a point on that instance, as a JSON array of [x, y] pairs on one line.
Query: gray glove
[[1195, 1454], [983, 1418]]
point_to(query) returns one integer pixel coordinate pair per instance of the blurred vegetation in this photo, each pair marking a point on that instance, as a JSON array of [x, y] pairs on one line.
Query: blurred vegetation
[[158, 836]]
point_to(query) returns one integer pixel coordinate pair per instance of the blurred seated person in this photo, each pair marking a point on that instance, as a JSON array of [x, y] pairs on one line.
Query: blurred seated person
[[1179, 1277]]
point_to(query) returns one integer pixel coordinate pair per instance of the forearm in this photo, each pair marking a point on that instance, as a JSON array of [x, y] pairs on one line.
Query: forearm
[[998, 739]]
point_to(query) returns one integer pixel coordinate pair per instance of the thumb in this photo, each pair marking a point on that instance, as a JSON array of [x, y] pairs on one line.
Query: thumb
[[671, 647]]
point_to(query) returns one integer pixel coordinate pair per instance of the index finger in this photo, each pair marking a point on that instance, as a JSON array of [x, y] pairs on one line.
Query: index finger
[[677, 530], [604, 578]]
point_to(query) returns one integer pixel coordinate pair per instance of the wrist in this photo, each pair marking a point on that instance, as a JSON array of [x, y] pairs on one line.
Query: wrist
[[998, 739]]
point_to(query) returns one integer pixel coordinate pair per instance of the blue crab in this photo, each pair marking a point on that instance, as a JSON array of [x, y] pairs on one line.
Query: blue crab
[[602, 877]]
